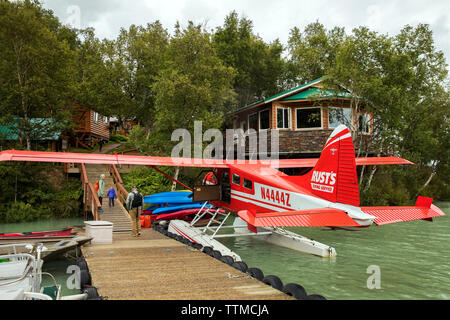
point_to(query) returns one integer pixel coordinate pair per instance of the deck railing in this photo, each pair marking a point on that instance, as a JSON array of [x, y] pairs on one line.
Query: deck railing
[[90, 198], [122, 193]]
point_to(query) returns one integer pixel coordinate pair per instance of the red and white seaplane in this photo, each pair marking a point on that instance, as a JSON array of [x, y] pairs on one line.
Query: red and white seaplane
[[266, 199]]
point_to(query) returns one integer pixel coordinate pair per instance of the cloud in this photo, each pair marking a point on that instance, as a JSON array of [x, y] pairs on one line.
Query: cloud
[[271, 19]]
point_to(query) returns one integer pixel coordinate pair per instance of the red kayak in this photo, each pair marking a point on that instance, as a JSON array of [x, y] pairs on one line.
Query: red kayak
[[179, 214], [40, 234]]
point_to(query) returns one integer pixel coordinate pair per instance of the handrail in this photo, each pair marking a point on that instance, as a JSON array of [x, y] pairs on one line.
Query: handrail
[[91, 201]]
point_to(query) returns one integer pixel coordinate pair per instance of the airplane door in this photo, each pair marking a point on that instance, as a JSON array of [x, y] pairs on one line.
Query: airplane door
[[226, 186]]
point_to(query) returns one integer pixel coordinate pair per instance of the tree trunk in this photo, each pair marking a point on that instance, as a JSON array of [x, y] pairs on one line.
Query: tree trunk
[[433, 173], [177, 173], [369, 182]]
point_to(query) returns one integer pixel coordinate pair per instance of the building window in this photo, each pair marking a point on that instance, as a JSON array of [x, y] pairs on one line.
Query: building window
[[364, 123], [236, 179], [283, 118], [248, 184], [308, 118], [253, 121], [96, 117], [338, 116], [105, 120], [264, 120]]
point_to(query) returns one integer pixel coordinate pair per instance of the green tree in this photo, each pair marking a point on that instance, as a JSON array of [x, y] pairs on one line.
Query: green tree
[[259, 66], [36, 64], [311, 52], [400, 80], [194, 86]]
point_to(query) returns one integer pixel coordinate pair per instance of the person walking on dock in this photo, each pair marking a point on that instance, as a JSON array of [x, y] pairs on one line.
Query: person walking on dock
[[134, 205], [101, 189], [111, 196]]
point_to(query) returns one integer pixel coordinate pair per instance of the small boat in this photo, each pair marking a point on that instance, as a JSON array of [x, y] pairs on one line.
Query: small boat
[[21, 275], [39, 234]]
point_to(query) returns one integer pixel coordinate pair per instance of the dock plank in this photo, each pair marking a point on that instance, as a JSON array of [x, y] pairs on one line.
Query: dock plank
[[155, 267]]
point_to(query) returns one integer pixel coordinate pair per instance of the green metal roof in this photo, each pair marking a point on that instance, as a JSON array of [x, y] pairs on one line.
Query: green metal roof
[[316, 93], [279, 95], [11, 131], [303, 92]]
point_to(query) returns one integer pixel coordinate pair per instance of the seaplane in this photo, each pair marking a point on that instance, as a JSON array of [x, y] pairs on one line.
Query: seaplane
[[264, 200]]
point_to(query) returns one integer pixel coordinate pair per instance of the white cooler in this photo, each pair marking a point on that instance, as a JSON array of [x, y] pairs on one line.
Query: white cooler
[[100, 231]]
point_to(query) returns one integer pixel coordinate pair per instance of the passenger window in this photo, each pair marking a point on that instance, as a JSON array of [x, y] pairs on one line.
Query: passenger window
[[248, 184], [236, 179]]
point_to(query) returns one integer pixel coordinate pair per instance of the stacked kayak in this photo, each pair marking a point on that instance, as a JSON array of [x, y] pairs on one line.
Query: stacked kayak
[[169, 206]]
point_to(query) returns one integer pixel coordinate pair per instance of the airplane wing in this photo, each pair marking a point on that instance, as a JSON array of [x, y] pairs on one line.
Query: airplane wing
[[92, 158], [310, 163], [423, 210], [323, 217]]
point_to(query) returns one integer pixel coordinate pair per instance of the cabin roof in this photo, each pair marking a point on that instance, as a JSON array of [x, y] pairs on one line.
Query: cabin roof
[[306, 91], [10, 132]]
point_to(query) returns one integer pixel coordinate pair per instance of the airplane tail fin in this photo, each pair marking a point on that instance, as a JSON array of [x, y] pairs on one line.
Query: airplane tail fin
[[334, 177]]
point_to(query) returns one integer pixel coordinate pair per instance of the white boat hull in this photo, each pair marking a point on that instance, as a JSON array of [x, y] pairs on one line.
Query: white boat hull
[[287, 239]]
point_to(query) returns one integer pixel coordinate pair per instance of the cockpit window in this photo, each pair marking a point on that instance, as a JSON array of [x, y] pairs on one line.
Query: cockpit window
[[248, 184], [236, 179]]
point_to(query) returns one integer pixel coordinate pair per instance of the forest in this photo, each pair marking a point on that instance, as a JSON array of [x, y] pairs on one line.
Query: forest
[[164, 81]]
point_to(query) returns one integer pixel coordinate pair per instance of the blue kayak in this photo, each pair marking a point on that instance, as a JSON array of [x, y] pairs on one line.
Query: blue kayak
[[179, 208], [176, 197]]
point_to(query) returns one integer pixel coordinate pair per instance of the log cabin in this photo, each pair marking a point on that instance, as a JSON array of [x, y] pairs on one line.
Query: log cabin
[[90, 127], [305, 117]]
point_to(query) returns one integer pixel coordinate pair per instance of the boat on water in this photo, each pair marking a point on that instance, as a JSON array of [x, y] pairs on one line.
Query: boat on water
[[55, 247], [21, 276], [39, 234]]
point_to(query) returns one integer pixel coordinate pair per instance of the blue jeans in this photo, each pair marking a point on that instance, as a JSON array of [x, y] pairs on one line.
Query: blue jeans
[[111, 202]]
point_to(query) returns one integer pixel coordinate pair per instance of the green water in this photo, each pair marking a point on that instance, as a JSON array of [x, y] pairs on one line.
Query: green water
[[413, 259], [57, 268]]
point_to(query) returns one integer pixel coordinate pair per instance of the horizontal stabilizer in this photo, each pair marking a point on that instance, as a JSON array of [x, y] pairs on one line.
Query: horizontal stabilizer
[[369, 161], [324, 217], [424, 210]]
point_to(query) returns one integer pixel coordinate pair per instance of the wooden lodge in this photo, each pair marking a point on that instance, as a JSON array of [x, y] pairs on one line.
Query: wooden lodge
[[305, 117], [90, 127]]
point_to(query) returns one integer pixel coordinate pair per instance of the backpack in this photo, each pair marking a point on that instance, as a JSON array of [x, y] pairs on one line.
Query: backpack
[[96, 187], [137, 200]]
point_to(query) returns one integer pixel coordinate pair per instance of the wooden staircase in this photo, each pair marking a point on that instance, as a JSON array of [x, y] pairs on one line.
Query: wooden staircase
[[118, 215]]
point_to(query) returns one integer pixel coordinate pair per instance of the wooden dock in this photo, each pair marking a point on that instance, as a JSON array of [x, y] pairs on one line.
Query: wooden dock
[[155, 267]]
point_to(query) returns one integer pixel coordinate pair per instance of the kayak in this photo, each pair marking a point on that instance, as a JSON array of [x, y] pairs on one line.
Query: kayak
[[53, 233], [179, 208], [179, 214], [176, 197]]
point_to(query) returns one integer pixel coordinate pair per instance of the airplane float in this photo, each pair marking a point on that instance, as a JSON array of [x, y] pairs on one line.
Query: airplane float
[[266, 199]]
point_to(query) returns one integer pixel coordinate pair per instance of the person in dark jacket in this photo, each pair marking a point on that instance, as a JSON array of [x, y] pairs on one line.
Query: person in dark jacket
[[134, 205], [111, 195]]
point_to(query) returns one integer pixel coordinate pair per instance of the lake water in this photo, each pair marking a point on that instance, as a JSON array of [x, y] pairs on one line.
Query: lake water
[[412, 257]]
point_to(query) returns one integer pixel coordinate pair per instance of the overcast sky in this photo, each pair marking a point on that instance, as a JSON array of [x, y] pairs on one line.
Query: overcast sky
[[272, 19]]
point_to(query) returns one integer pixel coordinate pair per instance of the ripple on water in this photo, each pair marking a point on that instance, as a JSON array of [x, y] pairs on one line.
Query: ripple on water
[[412, 256]]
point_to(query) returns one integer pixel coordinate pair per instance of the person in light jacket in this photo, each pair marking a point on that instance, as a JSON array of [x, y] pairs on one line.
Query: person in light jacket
[[111, 196], [134, 205], [101, 189]]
